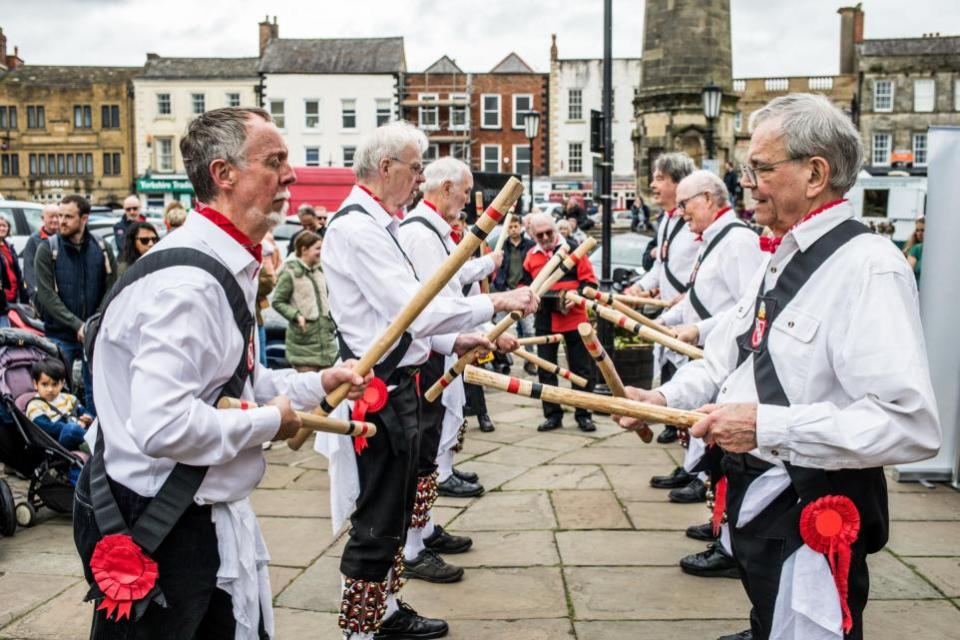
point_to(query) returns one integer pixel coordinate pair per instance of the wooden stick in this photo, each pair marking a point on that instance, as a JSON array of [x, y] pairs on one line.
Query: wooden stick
[[621, 320], [583, 400], [633, 314], [550, 367], [553, 338], [637, 301], [569, 264], [478, 204], [311, 421], [503, 232], [607, 370], [548, 269], [463, 252]]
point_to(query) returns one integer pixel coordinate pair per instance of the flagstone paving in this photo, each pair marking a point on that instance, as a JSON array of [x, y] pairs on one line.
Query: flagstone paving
[[570, 542]]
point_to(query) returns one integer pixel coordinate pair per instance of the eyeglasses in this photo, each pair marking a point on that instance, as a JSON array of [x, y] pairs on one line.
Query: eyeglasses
[[416, 167], [682, 205], [544, 234], [751, 171], [131, 208], [148, 240]]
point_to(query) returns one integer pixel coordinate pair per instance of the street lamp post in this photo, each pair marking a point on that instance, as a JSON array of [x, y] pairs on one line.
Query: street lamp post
[[531, 126], [712, 94]]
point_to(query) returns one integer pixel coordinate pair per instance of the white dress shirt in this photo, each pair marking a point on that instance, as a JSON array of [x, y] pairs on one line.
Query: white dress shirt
[[722, 278], [681, 255]]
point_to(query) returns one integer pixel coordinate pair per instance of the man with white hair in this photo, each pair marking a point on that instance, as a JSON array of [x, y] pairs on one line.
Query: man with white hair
[[799, 386], [370, 280]]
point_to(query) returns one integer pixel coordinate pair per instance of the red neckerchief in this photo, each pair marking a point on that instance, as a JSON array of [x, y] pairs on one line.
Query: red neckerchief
[[770, 245], [44, 234], [716, 217], [379, 201], [456, 234], [431, 205], [672, 212], [10, 293], [217, 218]]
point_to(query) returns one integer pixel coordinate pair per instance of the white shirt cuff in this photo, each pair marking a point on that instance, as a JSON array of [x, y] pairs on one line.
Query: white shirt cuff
[[673, 395], [482, 309], [772, 430], [444, 343], [265, 422]]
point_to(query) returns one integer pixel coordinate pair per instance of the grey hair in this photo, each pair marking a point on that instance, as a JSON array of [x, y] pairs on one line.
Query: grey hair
[[811, 125], [675, 165], [703, 181], [446, 169], [306, 208], [386, 141], [540, 218], [219, 134]]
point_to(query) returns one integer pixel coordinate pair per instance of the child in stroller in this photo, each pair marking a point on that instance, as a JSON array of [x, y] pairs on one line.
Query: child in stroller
[[59, 414]]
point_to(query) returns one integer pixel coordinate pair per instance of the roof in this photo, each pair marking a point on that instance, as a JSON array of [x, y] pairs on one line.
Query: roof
[[512, 64], [444, 65], [66, 76], [938, 45], [334, 55], [184, 68]]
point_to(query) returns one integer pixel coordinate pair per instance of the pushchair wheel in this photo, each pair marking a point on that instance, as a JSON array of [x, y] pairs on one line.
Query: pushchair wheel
[[25, 514], [8, 518]]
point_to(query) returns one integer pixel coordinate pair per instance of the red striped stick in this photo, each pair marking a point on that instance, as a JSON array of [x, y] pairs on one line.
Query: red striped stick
[[550, 367], [553, 338], [311, 421], [630, 312]]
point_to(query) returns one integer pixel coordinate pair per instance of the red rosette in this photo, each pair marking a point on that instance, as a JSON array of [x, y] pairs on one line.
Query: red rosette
[[373, 400], [830, 525], [123, 572], [719, 505]]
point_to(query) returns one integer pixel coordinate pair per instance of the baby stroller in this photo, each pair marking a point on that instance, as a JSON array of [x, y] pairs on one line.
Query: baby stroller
[[25, 448]]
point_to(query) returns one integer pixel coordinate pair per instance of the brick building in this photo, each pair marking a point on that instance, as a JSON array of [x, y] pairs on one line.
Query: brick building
[[438, 101]]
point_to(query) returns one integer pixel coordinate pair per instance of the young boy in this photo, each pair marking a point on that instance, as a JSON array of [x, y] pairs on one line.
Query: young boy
[[57, 413]]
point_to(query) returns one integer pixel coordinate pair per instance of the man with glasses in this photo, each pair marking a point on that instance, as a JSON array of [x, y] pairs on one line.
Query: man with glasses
[[812, 383], [311, 219], [131, 214]]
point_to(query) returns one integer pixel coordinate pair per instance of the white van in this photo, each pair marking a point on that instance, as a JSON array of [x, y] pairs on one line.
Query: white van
[[897, 199]]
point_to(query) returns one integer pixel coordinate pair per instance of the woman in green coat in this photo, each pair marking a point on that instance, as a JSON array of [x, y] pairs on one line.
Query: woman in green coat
[[301, 298]]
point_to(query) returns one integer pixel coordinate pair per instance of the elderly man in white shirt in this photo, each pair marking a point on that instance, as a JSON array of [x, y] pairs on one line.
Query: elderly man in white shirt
[[162, 518], [815, 381]]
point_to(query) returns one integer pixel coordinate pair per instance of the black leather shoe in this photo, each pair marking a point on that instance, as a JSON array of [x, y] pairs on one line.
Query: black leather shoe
[[466, 476], [696, 491], [550, 424], [486, 424], [743, 635], [454, 487], [679, 478], [431, 567], [530, 368], [701, 532], [406, 624], [586, 424], [712, 563], [443, 542], [668, 435]]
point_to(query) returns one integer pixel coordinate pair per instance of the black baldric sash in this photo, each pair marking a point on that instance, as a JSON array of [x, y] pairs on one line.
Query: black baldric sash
[[695, 301], [465, 289], [665, 253]]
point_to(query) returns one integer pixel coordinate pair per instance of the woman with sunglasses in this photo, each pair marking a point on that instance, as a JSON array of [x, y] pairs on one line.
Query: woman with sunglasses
[[139, 238]]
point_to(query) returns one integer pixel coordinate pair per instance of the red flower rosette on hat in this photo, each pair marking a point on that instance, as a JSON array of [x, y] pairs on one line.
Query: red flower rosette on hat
[[830, 525], [123, 572], [374, 398]]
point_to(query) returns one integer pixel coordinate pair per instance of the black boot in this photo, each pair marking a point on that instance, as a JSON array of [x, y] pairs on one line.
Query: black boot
[[679, 478], [486, 424], [696, 491], [454, 487], [406, 624], [743, 635], [668, 435], [701, 532], [443, 542], [466, 476], [432, 568], [550, 424], [586, 424], [712, 563]]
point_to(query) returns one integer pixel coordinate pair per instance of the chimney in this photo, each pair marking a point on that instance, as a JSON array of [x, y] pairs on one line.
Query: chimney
[[851, 34], [554, 54], [268, 31], [15, 60], [152, 56]]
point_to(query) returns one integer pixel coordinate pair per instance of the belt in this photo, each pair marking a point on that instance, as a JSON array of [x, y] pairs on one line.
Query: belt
[[745, 462], [400, 374]]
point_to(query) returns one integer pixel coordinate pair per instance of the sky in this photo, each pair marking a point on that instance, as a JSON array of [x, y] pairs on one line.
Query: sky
[[769, 37]]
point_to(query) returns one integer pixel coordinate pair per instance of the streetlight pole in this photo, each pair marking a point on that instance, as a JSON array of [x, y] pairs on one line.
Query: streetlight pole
[[531, 126], [712, 95], [606, 177]]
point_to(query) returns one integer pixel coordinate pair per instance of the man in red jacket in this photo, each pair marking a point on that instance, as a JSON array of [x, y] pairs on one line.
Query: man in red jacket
[[559, 316]]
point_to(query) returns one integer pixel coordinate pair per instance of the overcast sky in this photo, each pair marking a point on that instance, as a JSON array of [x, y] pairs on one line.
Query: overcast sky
[[770, 37]]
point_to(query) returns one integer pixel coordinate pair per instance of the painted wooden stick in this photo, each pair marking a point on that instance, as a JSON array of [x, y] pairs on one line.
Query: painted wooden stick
[[636, 301], [569, 264], [502, 238], [550, 367], [583, 400], [630, 312], [553, 338], [621, 320], [607, 370], [463, 252], [478, 203], [311, 421]]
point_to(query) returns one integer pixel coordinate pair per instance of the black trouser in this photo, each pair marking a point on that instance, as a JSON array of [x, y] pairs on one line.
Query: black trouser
[[187, 560], [667, 371], [388, 484], [431, 417], [476, 400], [760, 558], [580, 363]]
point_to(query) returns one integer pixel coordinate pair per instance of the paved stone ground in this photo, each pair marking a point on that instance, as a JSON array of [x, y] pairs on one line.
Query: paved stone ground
[[570, 542]]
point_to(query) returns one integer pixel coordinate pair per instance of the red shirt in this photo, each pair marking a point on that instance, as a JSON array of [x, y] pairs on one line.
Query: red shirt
[[217, 218], [560, 322], [11, 291]]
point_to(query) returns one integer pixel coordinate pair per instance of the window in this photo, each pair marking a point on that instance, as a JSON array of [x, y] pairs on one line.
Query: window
[[737, 121], [428, 117], [311, 111], [110, 116], [923, 95], [164, 154], [384, 111], [61, 168], [312, 156], [739, 85], [10, 164], [521, 104], [348, 113], [461, 151], [8, 117], [491, 157], [491, 111], [36, 119], [233, 99], [111, 164], [883, 95], [459, 114], [575, 157], [43, 164], [82, 117], [71, 168], [521, 159], [881, 149], [348, 153], [277, 113], [575, 104], [88, 164], [163, 104], [431, 154], [198, 102], [919, 149], [33, 164], [875, 203]]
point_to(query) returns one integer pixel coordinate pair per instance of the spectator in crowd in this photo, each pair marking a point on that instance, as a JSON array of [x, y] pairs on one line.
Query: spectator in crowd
[[575, 231], [563, 228], [510, 273], [50, 223], [311, 219], [572, 209], [174, 215], [140, 237], [131, 214], [74, 271], [59, 414], [14, 289], [913, 248], [301, 298], [639, 215], [266, 281], [732, 181]]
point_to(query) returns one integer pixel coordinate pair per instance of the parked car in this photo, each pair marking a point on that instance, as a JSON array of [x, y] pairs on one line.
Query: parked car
[[626, 256], [24, 217], [622, 219], [552, 208]]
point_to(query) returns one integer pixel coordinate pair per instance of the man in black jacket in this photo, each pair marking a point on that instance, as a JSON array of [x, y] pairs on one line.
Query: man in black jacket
[[50, 224], [74, 272]]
